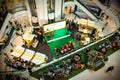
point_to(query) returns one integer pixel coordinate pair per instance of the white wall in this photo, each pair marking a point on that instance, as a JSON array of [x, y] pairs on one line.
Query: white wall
[[28, 11]]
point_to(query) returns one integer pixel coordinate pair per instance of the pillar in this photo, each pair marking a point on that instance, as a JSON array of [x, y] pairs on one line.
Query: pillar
[[28, 11], [42, 13], [58, 10]]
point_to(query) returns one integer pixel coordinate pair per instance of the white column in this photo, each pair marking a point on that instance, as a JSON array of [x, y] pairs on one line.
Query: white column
[[42, 13], [58, 9], [28, 11]]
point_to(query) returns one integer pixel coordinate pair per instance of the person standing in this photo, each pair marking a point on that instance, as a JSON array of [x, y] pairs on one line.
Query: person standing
[[102, 16], [104, 26], [29, 69], [106, 17], [110, 68]]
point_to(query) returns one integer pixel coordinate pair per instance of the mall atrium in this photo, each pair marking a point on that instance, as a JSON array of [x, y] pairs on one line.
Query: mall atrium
[[59, 39]]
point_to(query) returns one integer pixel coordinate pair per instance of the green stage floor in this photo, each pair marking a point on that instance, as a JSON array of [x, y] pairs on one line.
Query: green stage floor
[[60, 37], [59, 43]]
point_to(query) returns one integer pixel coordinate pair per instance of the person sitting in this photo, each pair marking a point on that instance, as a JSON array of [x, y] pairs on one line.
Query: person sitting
[[62, 50], [57, 51], [114, 45], [67, 47], [41, 77], [103, 50], [72, 45]]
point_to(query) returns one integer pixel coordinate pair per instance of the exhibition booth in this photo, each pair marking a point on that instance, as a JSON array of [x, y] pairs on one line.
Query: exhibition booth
[[29, 55]]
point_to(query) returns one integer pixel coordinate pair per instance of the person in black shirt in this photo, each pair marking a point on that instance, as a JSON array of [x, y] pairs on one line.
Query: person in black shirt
[[110, 69]]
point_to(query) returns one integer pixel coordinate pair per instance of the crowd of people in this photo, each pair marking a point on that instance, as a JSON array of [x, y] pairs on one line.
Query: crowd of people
[[18, 63], [14, 77], [99, 54], [95, 59], [66, 48], [63, 69], [71, 25], [111, 43]]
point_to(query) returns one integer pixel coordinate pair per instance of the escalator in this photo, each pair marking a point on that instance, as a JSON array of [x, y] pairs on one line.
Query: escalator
[[87, 9], [95, 10]]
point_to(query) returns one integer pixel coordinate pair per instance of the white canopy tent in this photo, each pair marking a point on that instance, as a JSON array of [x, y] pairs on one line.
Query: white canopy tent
[[18, 51], [28, 55], [39, 58]]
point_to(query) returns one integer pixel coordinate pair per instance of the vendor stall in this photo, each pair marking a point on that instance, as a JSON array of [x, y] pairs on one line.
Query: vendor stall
[[83, 21], [28, 38], [18, 51], [87, 22], [28, 55], [39, 58]]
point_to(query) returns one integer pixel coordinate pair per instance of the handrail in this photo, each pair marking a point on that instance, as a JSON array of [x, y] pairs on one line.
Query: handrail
[[87, 9], [76, 15]]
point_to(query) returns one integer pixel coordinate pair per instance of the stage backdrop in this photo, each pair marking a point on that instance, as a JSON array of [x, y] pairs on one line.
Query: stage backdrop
[[55, 26]]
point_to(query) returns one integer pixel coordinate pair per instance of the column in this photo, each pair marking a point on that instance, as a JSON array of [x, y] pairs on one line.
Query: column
[[58, 10], [28, 11], [42, 13]]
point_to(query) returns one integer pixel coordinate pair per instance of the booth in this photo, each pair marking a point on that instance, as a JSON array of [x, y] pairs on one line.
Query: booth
[[28, 55], [18, 51], [28, 38], [39, 58], [87, 22]]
